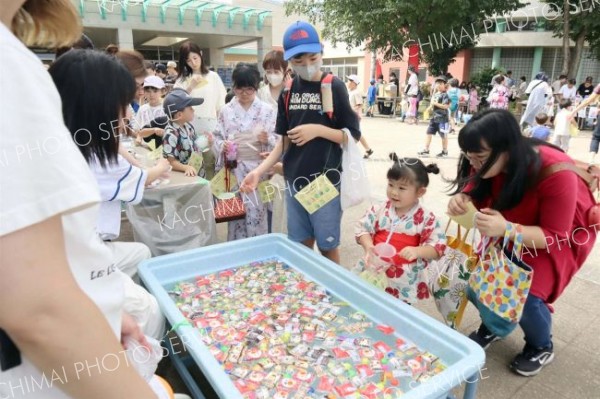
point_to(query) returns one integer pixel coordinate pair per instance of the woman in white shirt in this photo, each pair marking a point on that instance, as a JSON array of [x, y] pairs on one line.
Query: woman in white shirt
[[195, 77], [275, 70], [58, 303]]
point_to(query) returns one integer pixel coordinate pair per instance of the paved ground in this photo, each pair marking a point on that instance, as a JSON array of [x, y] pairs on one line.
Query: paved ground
[[576, 322]]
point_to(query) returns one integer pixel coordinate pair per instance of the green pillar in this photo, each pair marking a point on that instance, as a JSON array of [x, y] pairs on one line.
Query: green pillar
[[538, 52], [496, 57]]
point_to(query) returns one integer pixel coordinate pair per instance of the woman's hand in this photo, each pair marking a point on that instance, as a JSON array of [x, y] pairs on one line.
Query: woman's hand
[[458, 204], [250, 182], [490, 223], [130, 329], [302, 134]]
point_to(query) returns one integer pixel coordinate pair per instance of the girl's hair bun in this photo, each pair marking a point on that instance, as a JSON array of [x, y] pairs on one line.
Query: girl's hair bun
[[432, 168]]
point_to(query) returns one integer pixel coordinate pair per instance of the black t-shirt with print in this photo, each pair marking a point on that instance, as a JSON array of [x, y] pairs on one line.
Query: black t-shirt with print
[[302, 164], [585, 91]]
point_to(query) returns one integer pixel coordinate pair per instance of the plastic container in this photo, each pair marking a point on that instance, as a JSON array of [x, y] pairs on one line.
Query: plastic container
[[463, 357]]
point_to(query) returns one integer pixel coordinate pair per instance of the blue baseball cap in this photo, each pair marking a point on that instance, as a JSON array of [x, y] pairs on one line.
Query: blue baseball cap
[[301, 37]]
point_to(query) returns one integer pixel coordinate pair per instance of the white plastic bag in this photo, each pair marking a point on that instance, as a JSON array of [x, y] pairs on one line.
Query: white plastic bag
[[354, 182], [144, 360]]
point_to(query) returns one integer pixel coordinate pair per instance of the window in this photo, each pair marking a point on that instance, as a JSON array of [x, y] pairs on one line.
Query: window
[[552, 61], [341, 67], [518, 60], [482, 58]]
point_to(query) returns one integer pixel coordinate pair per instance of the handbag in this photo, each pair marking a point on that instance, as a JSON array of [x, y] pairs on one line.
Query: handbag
[[449, 277], [232, 208], [500, 284]]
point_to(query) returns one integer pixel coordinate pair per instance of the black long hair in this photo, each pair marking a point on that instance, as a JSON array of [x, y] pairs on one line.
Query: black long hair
[[96, 90], [500, 132], [184, 52]]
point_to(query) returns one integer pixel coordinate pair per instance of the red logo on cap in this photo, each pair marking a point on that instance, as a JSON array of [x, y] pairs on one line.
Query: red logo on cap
[[299, 35]]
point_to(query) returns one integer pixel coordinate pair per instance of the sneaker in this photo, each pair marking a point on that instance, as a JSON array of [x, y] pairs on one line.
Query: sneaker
[[442, 154], [484, 337], [531, 361], [423, 153], [368, 154]]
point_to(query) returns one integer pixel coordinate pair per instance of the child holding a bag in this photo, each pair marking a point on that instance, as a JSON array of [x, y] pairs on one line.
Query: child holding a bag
[[245, 130], [399, 236]]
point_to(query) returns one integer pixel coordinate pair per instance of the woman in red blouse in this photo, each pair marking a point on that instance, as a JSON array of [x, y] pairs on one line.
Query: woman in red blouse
[[499, 172]]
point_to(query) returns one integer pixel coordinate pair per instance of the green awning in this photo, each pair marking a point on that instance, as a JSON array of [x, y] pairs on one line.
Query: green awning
[[171, 8]]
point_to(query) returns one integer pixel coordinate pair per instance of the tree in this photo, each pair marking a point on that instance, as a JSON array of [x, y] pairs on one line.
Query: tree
[[579, 22], [441, 27]]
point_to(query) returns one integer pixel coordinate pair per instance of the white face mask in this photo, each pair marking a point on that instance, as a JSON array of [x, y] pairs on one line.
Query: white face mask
[[275, 78], [306, 72]]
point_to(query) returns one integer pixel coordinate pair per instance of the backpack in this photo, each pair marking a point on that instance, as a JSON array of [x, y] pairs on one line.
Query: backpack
[[326, 96], [589, 174]]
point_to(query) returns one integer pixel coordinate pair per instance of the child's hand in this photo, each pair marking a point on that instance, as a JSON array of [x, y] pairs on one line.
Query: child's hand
[[250, 182], [278, 168], [409, 253], [189, 171], [263, 137], [368, 257], [302, 134]]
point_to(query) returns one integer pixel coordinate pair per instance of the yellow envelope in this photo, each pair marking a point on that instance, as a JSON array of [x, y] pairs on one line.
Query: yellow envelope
[[468, 218], [195, 161], [266, 191], [217, 183], [152, 145], [317, 194]]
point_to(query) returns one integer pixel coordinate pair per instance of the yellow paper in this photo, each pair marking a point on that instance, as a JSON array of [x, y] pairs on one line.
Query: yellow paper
[[467, 219], [156, 154], [195, 161], [152, 145], [217, 183], [317, 194], [266, 191]]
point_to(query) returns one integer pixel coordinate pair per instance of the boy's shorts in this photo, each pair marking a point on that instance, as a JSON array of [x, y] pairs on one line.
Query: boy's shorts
[[371, 103], [438, 127], [323, 225]]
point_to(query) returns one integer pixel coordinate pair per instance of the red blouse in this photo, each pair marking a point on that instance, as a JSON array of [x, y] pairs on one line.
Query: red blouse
[[558, 205]]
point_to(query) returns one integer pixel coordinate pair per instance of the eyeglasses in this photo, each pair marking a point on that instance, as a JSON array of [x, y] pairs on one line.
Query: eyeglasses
[[244, 90], [477, 160]]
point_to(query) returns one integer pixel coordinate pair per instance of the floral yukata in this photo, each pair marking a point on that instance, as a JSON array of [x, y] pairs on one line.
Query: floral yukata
[[241, 126], [405, 280]]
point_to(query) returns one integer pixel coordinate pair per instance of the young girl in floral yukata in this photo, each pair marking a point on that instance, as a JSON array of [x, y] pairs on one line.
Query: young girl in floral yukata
[[414, 232], [249, 124]]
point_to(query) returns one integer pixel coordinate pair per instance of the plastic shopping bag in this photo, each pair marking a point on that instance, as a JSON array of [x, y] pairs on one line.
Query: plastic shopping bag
[[354, 182]]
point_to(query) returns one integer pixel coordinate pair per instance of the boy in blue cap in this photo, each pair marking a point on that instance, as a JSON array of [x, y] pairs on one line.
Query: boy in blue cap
[[311, 136]]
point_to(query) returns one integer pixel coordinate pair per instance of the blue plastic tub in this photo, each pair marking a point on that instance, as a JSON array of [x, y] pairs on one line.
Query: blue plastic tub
[[463, 357]]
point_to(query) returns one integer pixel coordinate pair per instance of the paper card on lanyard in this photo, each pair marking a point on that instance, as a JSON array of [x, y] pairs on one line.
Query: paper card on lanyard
[[466, 220], [217, 183], [317, 194], [195, 161], [266, 191]]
